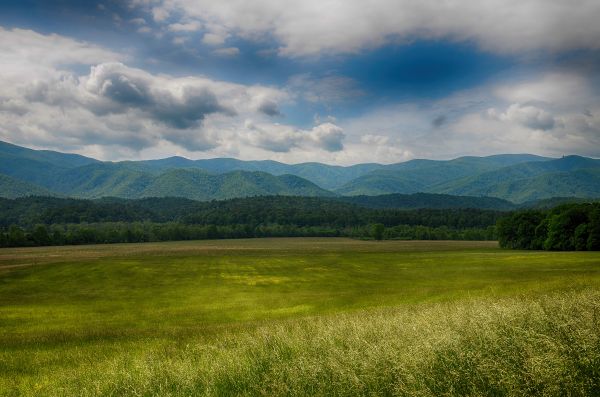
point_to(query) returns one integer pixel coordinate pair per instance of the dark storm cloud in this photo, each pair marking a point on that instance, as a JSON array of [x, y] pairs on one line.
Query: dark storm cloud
[[439, 121], [188, 112], [126, 90], [269, 108], [131, 89]]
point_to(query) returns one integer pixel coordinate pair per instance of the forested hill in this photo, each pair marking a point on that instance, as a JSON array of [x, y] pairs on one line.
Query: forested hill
[[526, 179]]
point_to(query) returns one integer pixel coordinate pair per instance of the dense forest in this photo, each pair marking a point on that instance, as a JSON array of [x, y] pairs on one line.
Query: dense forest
[[563, 228], [34, 221], [429, 200], [55, 221]]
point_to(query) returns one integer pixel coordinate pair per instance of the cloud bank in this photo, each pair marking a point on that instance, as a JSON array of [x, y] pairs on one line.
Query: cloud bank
[[553, 114], [67, 94], [120, 110], [314, 27]]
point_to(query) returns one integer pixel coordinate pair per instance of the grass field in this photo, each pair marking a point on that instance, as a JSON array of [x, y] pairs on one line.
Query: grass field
[[299, 317]]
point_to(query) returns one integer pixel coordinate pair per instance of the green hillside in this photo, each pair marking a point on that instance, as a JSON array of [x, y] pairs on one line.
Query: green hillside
[[515, 177], [200, 185], [125, 181], [328, 176], [382, 182], [570, 176], [13, 188], [324, 175], [579, 183], [36, 172], [37, 166], [42, 167], [462, 163], [419, 175], [63, 160], [101, 180]]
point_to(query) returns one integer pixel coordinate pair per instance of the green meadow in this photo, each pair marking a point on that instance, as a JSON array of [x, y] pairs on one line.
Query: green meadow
[[299, 317]]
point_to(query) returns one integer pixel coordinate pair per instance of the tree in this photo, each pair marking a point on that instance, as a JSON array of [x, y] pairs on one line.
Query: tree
[[40, 235], [377, 230], [562, 226], [518, 231], [593, 242], [16, 237], [580, 237]]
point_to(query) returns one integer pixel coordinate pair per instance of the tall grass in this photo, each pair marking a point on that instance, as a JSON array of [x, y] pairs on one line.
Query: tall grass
[[530, 345]]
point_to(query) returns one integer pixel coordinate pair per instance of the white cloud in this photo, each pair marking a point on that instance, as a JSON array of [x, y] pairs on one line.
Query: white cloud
[[528, 116], [138, 21], [564, 89], [314, 27], [26, 55], [185, 27], [227, 52], [214, 39], [283, 138], [159, 14], [328, 136]]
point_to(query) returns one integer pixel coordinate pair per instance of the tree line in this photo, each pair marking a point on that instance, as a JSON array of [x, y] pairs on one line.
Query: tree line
[[36, 221], [138, 232], [564, 228], [282, 210]]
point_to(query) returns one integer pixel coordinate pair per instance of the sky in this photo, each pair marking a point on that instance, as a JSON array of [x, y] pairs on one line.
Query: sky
[[333, 81]]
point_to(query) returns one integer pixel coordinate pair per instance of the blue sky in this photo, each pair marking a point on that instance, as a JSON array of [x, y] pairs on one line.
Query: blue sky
[[318, 81]]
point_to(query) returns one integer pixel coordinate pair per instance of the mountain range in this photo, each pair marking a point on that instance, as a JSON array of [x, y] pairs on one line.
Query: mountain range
[[517, 178]]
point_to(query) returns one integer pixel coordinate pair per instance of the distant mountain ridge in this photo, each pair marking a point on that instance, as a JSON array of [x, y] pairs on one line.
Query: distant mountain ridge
[[422, 175], [572, 176], [326, 176], [516, 178]]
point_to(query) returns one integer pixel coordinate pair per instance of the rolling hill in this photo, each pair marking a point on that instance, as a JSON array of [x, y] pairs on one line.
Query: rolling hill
[[38, 172], [200, 185], [570, 176], [13, 188], [116, 180], [38, 167], [419, 175], [324, 175]]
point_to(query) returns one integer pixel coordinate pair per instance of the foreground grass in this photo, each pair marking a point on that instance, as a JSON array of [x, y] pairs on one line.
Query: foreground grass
[[298, 317], [545, 346]]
